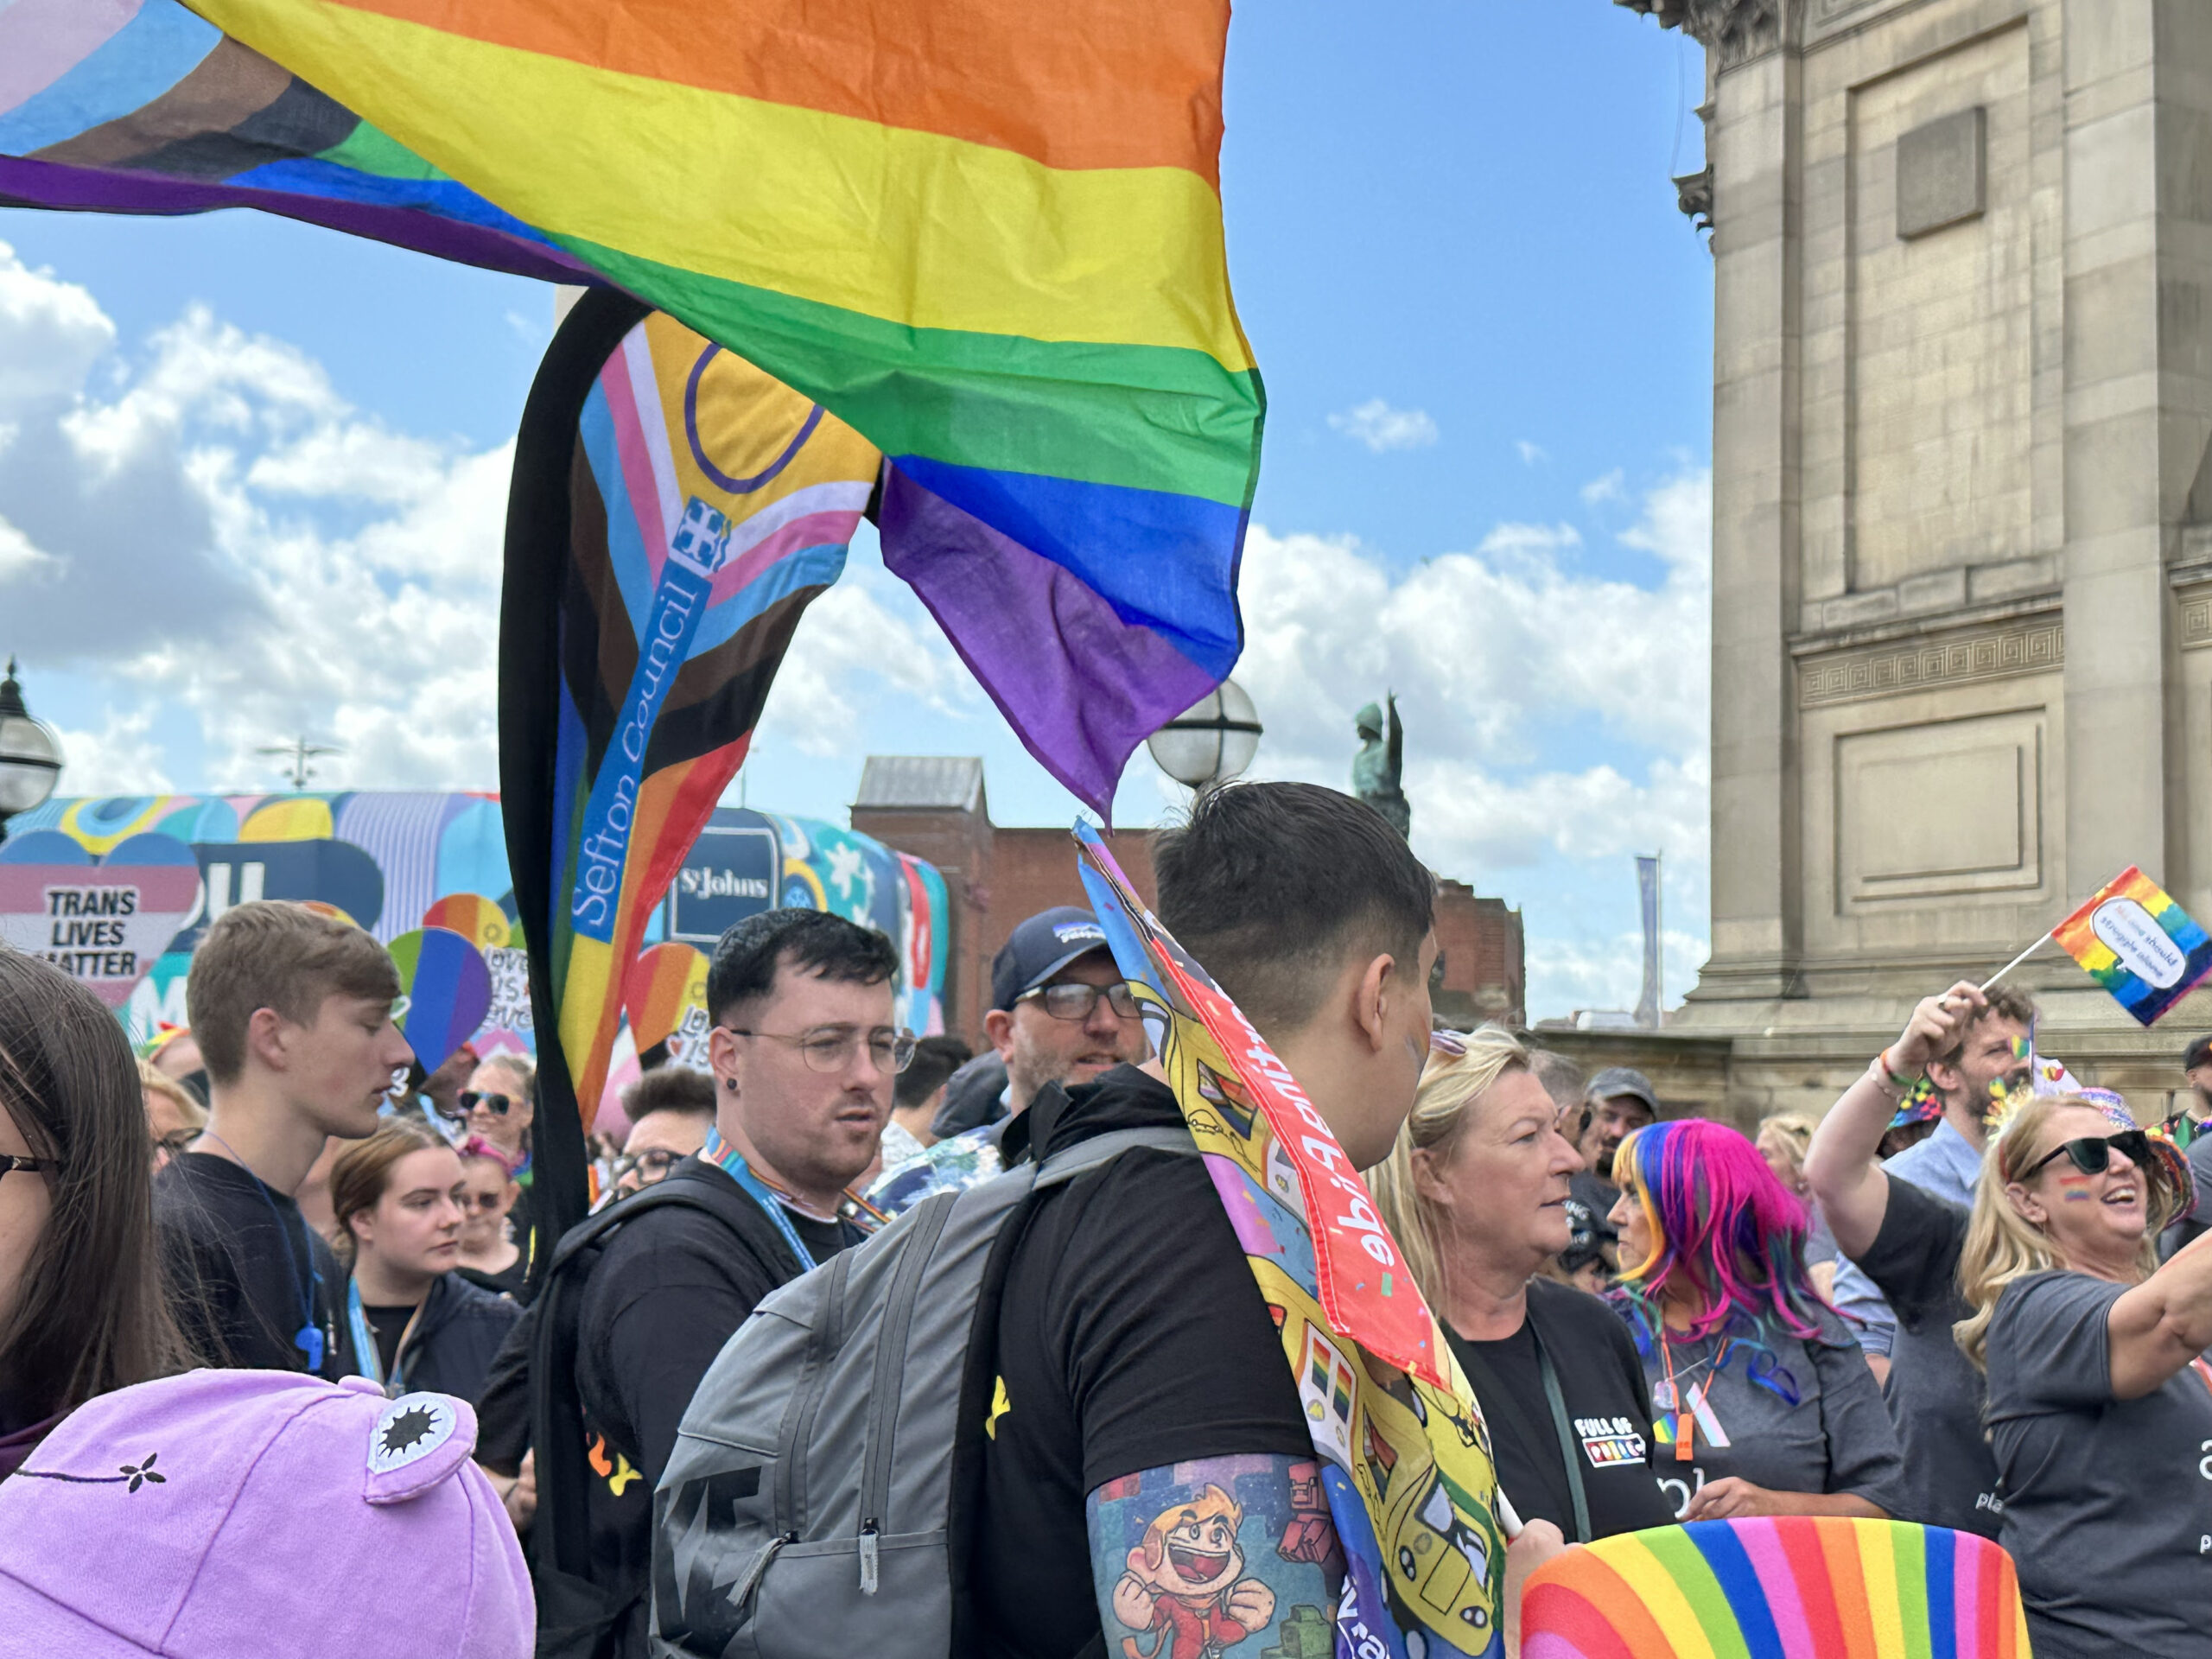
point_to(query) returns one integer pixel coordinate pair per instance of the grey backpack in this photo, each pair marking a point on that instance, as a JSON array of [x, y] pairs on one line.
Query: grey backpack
[[817, 1503]]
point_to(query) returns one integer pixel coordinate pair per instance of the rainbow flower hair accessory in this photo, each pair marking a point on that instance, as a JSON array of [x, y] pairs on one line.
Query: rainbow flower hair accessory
[[1725, 1230]]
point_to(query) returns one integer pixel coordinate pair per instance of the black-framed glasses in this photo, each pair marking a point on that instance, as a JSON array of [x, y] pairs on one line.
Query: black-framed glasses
[[832, 1048], [1075, 1001], [2092, 1154], [30, 1166], [651, 1165], [498, 1105]]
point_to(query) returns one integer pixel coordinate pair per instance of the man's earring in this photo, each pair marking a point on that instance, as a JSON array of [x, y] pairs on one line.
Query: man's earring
[[730, 1083]]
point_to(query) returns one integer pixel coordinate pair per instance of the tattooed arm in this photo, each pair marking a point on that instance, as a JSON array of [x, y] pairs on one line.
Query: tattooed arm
[[1197, 1556]]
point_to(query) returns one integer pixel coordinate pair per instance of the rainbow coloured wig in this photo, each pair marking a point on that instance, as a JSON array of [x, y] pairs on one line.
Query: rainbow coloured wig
[[1726, 1237]]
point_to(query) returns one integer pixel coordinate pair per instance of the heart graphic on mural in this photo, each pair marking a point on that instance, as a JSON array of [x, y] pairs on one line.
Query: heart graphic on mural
[[445, 991], [104, 921], [665, 994]]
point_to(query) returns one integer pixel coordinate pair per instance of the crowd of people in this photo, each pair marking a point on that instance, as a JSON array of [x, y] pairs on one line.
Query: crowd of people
[[273, 1241]]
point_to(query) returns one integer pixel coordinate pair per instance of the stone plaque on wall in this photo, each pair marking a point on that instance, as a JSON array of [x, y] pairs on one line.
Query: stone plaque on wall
[[1942, 173], [1944, 809]]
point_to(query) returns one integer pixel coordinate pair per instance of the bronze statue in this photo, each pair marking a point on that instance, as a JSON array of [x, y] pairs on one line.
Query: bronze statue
[[1378, 768]]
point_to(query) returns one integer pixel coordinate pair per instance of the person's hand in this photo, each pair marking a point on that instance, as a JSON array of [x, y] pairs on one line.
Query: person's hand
[[1937, 1025], [1535, 1543], [1732, 1498], [521, 1498]]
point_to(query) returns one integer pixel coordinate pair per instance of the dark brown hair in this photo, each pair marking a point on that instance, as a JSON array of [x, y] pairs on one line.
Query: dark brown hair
[[89, 1315], [362, 1172], [2005, 1002], [275, 954]]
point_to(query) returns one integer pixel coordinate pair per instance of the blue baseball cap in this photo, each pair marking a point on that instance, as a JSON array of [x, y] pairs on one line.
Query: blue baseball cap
[[1039, 948]]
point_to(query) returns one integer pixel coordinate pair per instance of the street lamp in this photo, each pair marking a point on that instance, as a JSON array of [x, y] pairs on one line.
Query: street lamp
[[30, 756], [1212, 742]]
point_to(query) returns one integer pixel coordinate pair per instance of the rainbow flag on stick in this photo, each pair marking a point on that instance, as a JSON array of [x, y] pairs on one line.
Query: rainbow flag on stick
[[2138, 944]]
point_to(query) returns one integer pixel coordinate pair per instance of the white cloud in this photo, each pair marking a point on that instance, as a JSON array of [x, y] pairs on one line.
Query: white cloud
[[214, 528], [1498, 656], [850, 637], [1379, 427], [1612, 486], [118, 758], [1530, 453]]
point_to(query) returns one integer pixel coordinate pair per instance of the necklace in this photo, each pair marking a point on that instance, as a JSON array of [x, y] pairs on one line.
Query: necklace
[[310, 1341]]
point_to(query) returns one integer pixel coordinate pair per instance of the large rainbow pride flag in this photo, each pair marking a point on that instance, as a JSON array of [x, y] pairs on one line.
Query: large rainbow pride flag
[[985, 234]]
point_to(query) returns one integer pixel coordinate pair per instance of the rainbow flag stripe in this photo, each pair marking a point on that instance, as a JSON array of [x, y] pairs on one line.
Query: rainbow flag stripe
[[1792, 1588], [139, 106], [2138, 944], [985, 234]]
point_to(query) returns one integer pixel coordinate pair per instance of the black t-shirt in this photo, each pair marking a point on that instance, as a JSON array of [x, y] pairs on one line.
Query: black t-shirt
[[1131, 1335], [510, 1280], [245, 1271], [669, 1289], [1935, 1395], [1608, 1409]]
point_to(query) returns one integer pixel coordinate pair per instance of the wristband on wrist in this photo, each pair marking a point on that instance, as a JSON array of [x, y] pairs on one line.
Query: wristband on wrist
[[1891, 1071]]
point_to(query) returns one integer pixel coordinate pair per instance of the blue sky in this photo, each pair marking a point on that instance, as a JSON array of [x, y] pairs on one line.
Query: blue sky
[[1486, 336]]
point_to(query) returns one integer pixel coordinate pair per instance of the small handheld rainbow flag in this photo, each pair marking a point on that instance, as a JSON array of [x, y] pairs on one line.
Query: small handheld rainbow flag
[[2138, 944]]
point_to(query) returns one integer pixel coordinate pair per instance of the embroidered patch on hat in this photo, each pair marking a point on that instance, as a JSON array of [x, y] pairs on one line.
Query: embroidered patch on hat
[[1064, 932], [408, 1429]]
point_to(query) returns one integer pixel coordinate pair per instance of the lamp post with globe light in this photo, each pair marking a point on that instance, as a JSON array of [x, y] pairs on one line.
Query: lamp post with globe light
[[1209, 742], [30, 755]]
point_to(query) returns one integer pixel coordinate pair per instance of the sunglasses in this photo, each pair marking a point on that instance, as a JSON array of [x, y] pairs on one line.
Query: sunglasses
[[2092, 1154], [495, 1104]]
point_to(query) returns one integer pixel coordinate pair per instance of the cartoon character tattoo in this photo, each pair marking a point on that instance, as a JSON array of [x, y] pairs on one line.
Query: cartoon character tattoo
[[1186, 1581]]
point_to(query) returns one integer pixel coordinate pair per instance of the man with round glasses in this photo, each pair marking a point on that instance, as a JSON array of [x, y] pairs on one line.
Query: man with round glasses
[[1060, 1014]]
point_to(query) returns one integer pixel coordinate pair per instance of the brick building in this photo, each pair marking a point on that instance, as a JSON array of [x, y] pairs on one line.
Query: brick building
[[934, 807]]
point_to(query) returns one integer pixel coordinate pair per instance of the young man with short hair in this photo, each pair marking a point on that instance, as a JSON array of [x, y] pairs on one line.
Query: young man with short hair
[[805, 1051], [1899, 1225], [1144, 1416], [293, 1013], [920, 1092]]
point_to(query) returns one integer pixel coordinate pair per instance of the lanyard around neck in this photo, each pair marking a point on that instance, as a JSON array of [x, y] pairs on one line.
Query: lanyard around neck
[[368, 1359], [727, 1159]]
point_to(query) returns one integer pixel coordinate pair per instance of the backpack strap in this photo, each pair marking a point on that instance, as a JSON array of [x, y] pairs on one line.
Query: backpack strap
[[559, 1541], [1069, 1162]]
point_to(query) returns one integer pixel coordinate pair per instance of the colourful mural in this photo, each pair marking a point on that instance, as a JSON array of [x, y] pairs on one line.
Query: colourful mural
[[118, 890]]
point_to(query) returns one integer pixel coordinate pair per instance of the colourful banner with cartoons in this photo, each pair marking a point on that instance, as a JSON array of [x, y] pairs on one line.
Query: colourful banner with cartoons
[[2138, 944], [1406, 1459], [673, 512]]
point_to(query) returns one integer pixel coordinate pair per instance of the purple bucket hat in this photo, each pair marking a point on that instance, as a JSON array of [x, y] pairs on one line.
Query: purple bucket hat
[[222, 1513]]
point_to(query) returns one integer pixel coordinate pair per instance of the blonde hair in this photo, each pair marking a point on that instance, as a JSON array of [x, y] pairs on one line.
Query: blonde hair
[[1795, 1130], [1450, 1083], [2002, 1245], [153, 1081]]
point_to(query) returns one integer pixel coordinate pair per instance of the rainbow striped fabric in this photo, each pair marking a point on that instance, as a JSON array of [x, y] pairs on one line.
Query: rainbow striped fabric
[[139, 106], [2138, 944], [674, 512], [1793, 1587], [986, 234]]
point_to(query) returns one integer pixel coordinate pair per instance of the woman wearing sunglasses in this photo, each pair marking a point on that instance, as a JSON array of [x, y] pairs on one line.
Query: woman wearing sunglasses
[[499, 1103], [2100, 1406]]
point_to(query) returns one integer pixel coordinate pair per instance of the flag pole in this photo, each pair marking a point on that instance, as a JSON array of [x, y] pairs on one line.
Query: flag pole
[[2017, 961]]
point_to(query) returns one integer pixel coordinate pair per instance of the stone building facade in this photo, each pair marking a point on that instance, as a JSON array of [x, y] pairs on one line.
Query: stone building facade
[[1962, 517]]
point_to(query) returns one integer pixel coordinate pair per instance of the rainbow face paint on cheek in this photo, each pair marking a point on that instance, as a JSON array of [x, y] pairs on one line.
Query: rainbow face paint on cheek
[[2073, 1187]]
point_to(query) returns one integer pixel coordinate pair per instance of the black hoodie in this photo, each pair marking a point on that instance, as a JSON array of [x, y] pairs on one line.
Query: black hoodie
[[459, 1329]]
